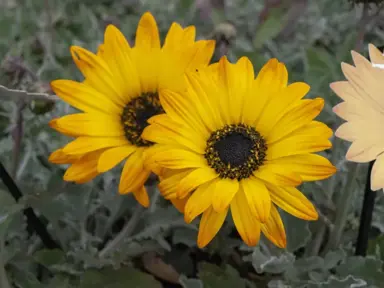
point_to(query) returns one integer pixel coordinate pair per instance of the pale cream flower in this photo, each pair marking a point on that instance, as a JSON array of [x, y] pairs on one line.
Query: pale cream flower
[[363, 109]]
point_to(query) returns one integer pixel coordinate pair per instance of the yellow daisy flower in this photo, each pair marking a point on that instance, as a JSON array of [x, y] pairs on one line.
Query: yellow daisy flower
[[120, 92], [363, 109], [239, 143]]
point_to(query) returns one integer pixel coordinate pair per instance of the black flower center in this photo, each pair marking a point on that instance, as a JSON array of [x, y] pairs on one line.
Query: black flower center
[[235, 151], [135, 115]]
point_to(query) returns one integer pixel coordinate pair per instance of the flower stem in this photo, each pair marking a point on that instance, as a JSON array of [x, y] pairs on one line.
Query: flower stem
[[366, 216], [129, 227], [343, 207], [34, 223]]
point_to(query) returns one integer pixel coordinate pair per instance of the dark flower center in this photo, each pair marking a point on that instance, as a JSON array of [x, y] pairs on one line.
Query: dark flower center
[[135, 115], [235, 151]]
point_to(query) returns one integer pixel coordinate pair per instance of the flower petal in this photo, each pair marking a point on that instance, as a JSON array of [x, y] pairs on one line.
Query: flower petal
[[375, 55], [84, 97], [59, 157], [83, 169], [134, 174], [310, 138], [173, 133], [147, 34], [295, 118], [199, 201], [377, 174], [180, 203], [97, 74], [271, 79], [274, 230], [88, 124], [175, 158], [363, 150], [223, 193], [111, 157], [310, 167], [277, 175], [117, 56], [293, 201], [168, 186], [245, 221], [194, 179], [141, 195], [280, 104], [258, 198], [210, 224], [85, 144]]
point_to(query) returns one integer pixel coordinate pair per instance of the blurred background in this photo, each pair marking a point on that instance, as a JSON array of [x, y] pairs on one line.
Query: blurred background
[[106, 240]]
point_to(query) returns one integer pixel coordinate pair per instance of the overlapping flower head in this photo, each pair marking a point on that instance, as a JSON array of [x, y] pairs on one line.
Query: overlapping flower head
[[363, 109], [120, 92], [233, 142]]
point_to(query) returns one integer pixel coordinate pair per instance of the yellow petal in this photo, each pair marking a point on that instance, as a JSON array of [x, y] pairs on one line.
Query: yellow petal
[[61, 129], [274, 230], [97, 74], [199, 201], [196, 178], [310, 167], [168, 186], [233, 88], [111, 157], [59, 157], [192, 139], [377, 174], [293, 201], [257, 198], [223, 193], [117, 56], [134, 174], [163, 134], [273, 75], [180, 203], [175, 158], [310, 138], [177, 36], [89, 124], [271, 79], [201, 94], [84, 169], [85, 144], [179, 110], [202, 54], [141, 196], [295, 118], [280, 104], [277, 175], [210, 224], [147, 34], [84, 97], [245, 221]]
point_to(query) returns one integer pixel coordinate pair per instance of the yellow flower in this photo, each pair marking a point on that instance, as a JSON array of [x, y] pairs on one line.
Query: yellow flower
[[120, 92], [236, 142], [363, 109]]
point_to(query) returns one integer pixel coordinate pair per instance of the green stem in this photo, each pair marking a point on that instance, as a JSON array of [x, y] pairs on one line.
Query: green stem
[[125, 232], [343, 207], [129, 228]]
